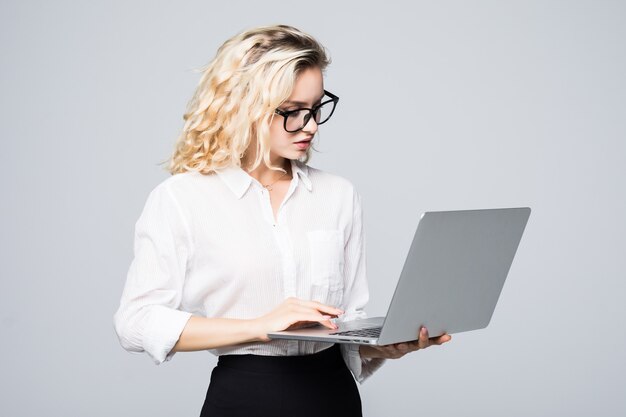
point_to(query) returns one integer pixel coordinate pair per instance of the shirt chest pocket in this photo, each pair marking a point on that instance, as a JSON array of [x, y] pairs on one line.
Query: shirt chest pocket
[[326, 262]]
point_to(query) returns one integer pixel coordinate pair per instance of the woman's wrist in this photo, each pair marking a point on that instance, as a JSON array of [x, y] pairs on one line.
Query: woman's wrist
[[366, 352], [256, 330]]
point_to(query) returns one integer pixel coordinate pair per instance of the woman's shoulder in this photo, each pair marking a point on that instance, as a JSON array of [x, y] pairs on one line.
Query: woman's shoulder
[[326, 178], [184, 183], [186, 178]]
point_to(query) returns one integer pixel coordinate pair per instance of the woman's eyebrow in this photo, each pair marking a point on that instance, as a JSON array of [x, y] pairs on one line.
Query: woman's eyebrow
[[298, 103], [302, 103]]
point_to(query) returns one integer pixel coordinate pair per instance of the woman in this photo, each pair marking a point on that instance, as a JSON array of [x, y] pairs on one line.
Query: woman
[[246, 239]]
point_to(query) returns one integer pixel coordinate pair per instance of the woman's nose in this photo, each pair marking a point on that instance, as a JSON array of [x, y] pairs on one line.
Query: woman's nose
[[310, 126]]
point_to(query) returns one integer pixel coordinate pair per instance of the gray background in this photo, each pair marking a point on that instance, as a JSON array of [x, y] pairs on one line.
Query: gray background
[[444, 105]]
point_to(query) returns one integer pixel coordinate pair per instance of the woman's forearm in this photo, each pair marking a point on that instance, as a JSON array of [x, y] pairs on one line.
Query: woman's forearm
[[201, 333]]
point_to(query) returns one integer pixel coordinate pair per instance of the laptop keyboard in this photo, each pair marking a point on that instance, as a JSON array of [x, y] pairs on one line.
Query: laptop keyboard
[[371, 332]]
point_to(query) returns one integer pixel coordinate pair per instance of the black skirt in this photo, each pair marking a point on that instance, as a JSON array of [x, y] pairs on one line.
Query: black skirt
[[276, 386]]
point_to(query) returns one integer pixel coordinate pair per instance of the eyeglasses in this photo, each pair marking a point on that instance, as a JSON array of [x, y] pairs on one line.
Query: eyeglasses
[[295, 120]]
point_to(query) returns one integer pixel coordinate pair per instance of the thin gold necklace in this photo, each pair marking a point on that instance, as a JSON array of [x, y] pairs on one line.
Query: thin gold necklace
[[269, 186]]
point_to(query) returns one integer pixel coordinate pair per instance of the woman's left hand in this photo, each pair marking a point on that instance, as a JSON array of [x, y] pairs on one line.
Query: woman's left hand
[[398, 350]]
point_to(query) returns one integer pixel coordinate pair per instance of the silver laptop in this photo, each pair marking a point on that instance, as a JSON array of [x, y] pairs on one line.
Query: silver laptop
[[450, 282]]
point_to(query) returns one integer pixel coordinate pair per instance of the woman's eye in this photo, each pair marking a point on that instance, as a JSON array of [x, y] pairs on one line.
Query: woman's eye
[[296, 112]]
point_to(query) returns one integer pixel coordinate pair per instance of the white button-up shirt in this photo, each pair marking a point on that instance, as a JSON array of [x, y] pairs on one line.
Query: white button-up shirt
[[209, 245]]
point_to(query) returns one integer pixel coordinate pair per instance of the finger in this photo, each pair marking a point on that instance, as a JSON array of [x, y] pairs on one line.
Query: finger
[[307, 310], [323, 319], [413, 346], [423, 338], [397, 353], [323, 307], [393, 351], [402, 347], [329, 324], [385, 351], [441, 339], [326, 309]]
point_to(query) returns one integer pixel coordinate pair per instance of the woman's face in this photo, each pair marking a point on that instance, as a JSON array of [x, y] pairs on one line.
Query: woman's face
[[307, 92]]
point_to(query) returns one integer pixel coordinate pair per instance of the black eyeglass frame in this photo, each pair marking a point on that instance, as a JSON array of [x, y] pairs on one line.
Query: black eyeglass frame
[[312, 111]]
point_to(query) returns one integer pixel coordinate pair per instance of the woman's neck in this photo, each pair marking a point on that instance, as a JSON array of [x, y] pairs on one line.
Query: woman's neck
[[265, 175]]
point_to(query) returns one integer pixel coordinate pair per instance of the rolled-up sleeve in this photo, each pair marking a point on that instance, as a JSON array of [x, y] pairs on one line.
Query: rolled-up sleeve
[[149, 319], [356, 293]]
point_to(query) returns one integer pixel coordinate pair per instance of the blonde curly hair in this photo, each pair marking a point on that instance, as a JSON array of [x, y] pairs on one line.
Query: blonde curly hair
[[252, 74]]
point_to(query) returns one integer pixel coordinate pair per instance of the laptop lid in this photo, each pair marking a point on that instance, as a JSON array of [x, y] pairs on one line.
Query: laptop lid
[[451, 280], [454, 272]]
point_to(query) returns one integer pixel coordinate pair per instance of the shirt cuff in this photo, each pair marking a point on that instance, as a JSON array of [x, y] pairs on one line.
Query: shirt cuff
[[362, 368], [163, 331]]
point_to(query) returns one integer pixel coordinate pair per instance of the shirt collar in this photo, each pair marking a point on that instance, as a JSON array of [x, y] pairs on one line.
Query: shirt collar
[[235, 178], [301, 171], [239, 180]]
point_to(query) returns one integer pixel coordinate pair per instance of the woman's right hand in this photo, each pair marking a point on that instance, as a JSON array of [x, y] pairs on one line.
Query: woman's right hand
[[294, 313]]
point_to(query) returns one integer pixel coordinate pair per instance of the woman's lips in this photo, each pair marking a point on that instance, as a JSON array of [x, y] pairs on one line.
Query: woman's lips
[[303, 144]]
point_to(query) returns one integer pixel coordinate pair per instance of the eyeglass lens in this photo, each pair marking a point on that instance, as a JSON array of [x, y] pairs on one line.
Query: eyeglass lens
[[297, 120]]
